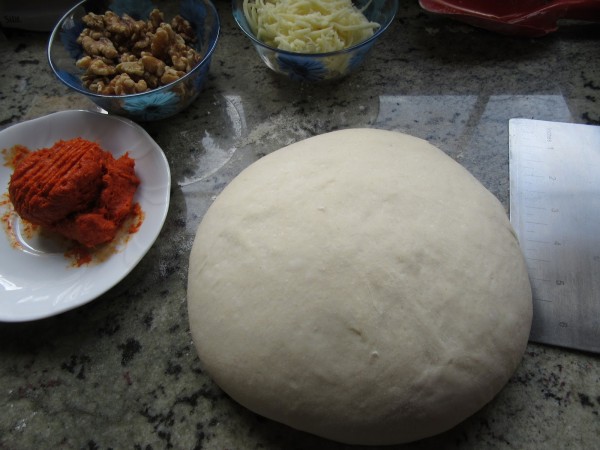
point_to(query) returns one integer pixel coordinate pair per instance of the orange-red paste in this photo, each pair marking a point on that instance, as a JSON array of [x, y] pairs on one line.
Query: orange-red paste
[[75, 188]]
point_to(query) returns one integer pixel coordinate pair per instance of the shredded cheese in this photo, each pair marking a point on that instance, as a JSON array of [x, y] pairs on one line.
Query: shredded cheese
[[308, 26]]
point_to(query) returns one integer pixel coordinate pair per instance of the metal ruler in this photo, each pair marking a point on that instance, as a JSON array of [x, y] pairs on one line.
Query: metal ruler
[[555, 211]]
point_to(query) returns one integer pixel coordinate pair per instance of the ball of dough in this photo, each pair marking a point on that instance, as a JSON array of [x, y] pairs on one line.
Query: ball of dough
[[359, 285]]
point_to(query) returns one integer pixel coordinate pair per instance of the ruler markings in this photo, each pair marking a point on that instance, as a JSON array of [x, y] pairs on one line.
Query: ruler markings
[[536, 223], [533, 160], [537, 259], [541, 147], [553, 223]]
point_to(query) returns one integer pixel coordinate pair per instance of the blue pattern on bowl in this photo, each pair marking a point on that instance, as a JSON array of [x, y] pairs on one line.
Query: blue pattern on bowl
[[152, 106], [301, 68]]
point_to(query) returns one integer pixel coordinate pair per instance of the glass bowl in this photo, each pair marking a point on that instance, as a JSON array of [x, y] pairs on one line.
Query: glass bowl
[[155, 104], [315, 67]]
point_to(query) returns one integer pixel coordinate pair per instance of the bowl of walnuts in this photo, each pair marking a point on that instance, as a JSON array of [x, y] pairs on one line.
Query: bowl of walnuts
[[142, 59]]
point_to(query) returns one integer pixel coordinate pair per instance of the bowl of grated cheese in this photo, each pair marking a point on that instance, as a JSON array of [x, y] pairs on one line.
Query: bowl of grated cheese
[[314, 40]]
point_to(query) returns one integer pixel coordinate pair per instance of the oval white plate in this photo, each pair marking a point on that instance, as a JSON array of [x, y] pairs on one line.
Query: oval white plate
[[37, 281]]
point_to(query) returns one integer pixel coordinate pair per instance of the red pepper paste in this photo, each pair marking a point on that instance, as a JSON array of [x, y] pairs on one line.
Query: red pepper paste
[[76, 189]]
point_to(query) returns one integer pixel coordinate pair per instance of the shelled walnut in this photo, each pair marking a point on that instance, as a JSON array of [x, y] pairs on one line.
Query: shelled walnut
[[127, 56]]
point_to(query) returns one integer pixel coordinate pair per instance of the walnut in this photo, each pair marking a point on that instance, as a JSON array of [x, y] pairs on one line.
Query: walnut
[[94, 34], [128, 57], [156, 18], [84, 62], [152, 81], [171, 75], [141, 86], [185, 60], [96, 66], [98, 85], [183, 28], [142, 44], [180, 62], [131, 68], [102, 46], [160, 44], [125, 30], [153, 65], [99, 67], [93, 21], [123, 84]]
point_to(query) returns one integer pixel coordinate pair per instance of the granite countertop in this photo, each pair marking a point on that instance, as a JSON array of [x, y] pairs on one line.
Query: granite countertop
[[122, 372]]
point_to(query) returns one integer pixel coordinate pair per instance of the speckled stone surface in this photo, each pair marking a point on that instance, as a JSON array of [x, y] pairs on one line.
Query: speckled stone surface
[[122, 372]]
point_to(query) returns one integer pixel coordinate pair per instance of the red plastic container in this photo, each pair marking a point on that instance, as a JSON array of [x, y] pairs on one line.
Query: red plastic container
[[528, 18]]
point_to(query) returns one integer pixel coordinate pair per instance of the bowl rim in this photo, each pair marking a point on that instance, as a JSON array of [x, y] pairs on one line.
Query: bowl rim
[[383, 27], [205, 60]]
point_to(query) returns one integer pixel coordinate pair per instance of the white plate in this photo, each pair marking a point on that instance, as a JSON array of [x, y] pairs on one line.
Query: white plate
[[38, 281]]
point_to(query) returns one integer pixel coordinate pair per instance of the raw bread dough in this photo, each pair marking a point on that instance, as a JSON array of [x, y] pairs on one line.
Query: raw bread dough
[[359, 285]]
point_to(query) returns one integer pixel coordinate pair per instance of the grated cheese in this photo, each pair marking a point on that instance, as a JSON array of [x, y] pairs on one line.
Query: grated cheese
[[308, 26]]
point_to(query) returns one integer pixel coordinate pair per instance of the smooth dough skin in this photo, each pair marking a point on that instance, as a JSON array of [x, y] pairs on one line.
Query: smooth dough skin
[[359, 285]]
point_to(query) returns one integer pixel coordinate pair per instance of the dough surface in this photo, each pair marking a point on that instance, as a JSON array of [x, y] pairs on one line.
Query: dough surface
[[359, 285]]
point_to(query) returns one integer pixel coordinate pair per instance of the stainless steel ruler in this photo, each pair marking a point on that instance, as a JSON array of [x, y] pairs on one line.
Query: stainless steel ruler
[[555, 211]]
